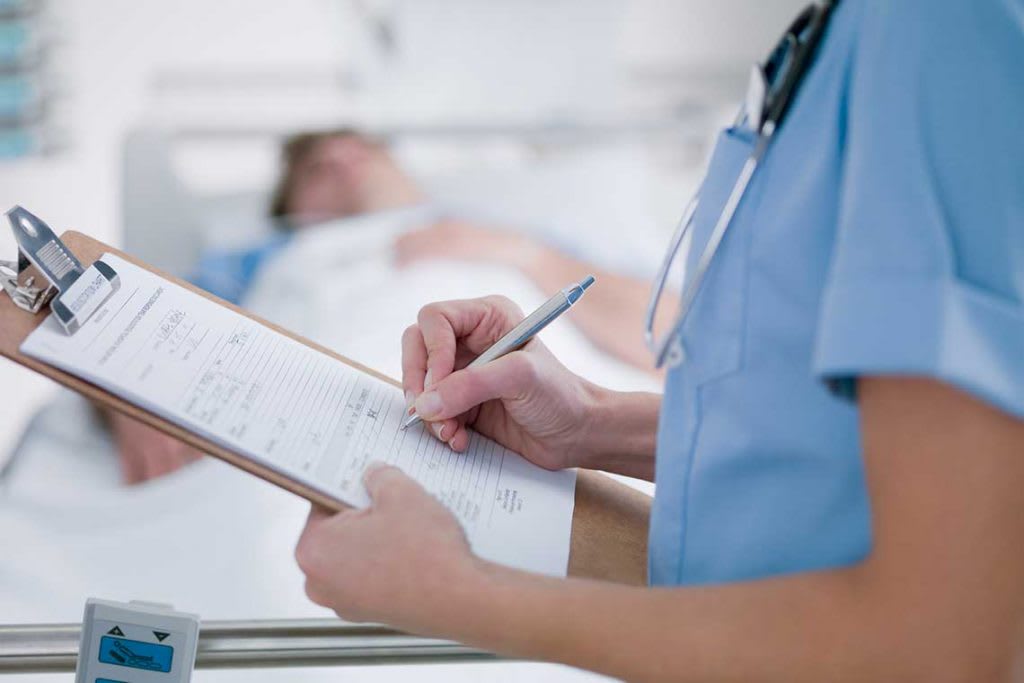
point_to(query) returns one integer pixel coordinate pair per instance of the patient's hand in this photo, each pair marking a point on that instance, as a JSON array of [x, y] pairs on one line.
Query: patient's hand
[[146, 453], [465, 241]]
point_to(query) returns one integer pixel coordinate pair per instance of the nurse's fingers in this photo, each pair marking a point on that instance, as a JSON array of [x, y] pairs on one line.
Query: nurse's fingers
[[474, 324], [414, 362], [459, 441], [444, 430], [507, 377], [414, 368], [441, 325]]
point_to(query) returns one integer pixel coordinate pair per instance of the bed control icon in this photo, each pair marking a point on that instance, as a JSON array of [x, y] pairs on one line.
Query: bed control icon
[[137, 641]]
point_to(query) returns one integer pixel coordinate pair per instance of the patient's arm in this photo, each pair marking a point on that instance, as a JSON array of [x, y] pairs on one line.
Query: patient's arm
[[613, 314], [146, 453]]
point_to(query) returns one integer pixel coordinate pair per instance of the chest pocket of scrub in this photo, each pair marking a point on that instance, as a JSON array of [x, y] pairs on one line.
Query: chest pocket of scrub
[[713, 333]]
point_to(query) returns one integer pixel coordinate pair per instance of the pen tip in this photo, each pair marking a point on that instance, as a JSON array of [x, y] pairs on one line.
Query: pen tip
[[587, 281]]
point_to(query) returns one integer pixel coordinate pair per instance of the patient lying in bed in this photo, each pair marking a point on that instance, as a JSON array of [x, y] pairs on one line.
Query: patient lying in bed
[[344, 204], [337, 175]]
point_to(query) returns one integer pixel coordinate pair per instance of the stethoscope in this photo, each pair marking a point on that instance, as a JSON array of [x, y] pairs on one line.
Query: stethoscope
[[771, 90]]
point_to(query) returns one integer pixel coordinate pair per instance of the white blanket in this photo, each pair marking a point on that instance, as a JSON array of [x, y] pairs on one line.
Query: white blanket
[[210, 539], [337, 285]]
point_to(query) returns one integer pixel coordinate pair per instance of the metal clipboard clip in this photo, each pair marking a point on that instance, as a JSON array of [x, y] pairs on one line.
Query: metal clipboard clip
[[74, 293]]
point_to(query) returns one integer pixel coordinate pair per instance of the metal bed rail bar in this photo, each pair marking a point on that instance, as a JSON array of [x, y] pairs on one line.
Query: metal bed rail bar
[[679, 124], [44, 648]]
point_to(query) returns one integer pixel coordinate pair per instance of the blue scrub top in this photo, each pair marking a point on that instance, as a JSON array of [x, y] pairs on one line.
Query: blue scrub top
[[883, 234]]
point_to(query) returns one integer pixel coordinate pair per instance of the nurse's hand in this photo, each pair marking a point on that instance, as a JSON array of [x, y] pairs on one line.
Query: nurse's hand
[[527, 400], [401, 561]]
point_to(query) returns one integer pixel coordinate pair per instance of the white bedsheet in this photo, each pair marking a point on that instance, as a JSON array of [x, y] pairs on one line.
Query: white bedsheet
[[209, 538], [337, 285]]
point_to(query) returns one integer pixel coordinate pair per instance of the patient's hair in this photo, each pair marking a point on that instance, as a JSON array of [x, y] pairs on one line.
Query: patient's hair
[[296, 149]]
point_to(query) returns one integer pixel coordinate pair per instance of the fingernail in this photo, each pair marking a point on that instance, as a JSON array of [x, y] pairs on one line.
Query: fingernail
[[428, 404], [428, 379], [438, 428], [409, 400]]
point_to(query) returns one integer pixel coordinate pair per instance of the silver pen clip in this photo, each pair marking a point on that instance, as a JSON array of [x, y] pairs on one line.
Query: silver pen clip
[[72, 291]]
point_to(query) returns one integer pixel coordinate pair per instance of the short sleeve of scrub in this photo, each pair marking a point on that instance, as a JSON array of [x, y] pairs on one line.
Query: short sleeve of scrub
[[927, 272]]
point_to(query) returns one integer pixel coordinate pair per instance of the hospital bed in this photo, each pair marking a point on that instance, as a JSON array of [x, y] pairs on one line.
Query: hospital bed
[[62, 504], [591, 188]]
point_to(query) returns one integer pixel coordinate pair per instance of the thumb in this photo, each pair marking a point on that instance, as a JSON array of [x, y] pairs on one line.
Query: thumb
[[385, 482], [505, 378]]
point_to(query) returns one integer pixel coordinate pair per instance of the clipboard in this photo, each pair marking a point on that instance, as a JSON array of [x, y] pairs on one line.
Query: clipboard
[[610, 520]]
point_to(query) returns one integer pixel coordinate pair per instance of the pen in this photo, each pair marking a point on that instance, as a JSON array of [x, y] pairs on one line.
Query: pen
[[522, 333]]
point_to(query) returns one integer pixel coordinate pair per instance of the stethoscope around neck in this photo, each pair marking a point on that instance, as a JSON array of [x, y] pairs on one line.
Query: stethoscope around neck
[[769, 94]]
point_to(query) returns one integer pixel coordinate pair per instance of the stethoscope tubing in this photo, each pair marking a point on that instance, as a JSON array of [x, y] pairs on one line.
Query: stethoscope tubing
[[763, 122], [671, 343]]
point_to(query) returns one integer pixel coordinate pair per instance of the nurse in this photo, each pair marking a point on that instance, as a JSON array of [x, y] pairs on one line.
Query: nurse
[[839, 452]]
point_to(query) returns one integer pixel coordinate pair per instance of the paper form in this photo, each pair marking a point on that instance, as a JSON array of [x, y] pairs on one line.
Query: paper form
[[302, 413]]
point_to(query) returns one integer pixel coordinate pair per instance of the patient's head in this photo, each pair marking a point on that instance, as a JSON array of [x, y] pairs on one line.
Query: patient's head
[[336, 174]]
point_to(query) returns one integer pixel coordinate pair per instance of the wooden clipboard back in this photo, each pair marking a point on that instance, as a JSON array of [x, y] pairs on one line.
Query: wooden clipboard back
[[609, 532]]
